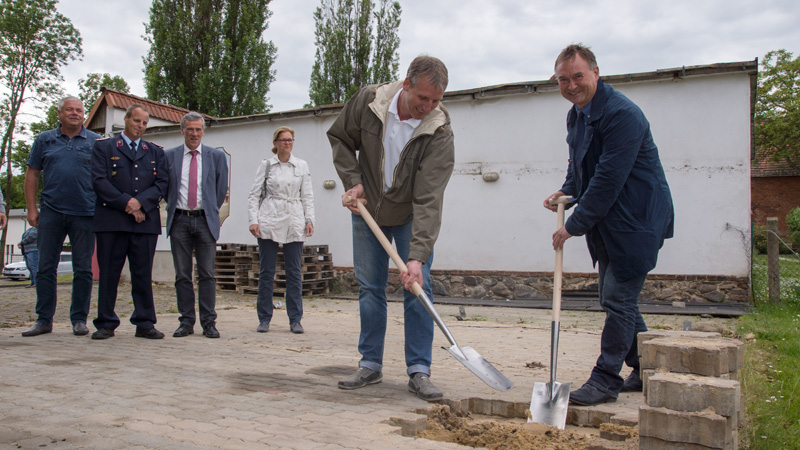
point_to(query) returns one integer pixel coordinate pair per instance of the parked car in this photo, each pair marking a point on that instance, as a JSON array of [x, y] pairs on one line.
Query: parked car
[[18, 270]]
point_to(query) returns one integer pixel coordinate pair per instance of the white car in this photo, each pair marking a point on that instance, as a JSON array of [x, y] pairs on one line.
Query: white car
[[18, 270]]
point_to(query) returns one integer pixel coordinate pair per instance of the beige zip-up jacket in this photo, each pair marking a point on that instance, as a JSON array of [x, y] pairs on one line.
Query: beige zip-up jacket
[[420, 177]]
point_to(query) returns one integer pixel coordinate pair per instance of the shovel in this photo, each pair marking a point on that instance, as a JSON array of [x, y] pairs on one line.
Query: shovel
[[549, 401], [466, 355]]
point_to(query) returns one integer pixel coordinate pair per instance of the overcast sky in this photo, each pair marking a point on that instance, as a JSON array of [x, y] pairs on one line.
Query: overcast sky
[[482, 42]]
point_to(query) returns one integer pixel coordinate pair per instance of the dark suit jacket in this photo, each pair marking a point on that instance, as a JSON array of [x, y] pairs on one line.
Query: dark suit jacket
[[214, 181], [118, 174], [621, 190]]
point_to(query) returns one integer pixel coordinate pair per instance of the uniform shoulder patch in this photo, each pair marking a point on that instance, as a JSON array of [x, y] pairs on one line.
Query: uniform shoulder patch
[[102, 139]]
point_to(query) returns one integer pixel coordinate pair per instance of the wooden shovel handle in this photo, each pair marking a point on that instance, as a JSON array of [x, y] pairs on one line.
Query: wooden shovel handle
[[558, 273], [387, 246]]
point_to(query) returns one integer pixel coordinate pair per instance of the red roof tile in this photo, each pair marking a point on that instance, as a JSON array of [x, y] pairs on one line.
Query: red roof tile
[[122, 100]]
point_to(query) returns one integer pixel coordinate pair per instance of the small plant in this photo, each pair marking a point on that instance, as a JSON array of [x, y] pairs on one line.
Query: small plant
[[793, 223], [760, 239]]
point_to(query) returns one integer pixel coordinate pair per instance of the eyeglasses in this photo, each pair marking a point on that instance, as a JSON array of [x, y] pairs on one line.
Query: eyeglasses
[[284, 140]]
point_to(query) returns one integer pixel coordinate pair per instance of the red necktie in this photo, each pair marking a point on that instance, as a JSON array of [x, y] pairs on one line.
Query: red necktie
[[192, 200]]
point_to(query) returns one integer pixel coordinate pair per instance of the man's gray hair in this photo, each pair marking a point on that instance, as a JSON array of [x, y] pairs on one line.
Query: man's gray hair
[[191, 117], [134, 107], [69, 98], [430, 67], [574, 50]]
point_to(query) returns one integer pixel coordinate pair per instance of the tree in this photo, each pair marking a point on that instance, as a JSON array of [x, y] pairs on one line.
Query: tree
[[777, 124], [209, 55], [89, 87], [349, 55], [35, 42]]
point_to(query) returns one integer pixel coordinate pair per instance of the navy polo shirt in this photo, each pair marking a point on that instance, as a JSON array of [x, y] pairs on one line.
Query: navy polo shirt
[[65, 164]]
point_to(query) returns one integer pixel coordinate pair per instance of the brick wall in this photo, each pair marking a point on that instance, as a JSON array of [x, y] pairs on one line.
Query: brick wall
[[773, 197]]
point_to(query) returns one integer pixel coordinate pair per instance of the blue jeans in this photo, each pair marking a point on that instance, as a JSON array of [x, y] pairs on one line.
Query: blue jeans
[[32, 263], [53, 229], [371, 266], [189, 234], [620, 301], [293, 265]]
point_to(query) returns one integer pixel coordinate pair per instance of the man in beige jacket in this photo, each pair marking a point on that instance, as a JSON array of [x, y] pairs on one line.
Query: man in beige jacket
[[393, 146]]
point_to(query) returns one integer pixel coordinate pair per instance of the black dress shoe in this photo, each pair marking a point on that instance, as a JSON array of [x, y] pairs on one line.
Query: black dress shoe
[[103, 333], [210, 331], [37, 329], [633, 383], [589, 395], [149, 333], [183, 331]]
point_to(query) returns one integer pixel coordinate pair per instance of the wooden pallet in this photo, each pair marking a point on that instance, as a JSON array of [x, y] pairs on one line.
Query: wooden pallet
[[238, 265]]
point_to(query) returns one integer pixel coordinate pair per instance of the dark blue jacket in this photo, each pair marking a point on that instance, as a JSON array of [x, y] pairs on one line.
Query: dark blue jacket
[[622, 193], [118, 174]]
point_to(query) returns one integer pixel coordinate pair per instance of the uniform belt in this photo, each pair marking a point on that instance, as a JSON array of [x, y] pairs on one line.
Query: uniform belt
[[186, 212]]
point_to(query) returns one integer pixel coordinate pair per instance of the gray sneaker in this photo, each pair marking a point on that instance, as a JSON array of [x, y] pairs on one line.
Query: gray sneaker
[[421, 384], [360, 379], [263, 327]]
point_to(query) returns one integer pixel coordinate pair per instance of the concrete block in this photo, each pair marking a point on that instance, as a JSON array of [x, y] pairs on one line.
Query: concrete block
[[651, 443], [654, 334], [708, 357], [700, 428], [694, 393]]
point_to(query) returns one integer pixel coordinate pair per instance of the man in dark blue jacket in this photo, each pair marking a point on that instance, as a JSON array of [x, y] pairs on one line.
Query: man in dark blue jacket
[[130, 177], [624, 208]]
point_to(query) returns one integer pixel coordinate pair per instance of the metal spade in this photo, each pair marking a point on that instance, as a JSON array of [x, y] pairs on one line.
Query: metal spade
[[550, 401], [470, 358]]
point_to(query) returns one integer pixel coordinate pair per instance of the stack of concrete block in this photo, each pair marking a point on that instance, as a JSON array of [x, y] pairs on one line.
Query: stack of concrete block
[[692, 394]]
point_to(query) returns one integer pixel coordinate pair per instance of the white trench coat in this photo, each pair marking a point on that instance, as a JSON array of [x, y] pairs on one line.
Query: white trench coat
[[288, 203]]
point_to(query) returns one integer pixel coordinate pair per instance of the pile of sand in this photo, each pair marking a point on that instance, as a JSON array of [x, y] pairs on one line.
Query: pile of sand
[[444, 426]]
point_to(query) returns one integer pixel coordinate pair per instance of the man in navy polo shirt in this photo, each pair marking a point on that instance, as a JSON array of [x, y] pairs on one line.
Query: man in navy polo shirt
[[63, 157]]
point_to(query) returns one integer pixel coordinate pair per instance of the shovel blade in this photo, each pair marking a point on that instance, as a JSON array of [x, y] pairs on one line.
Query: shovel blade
[[549, 404], [478, 365]]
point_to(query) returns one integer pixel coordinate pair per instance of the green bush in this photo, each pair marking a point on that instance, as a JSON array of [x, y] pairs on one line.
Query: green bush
[[793, 222], [760, 239]]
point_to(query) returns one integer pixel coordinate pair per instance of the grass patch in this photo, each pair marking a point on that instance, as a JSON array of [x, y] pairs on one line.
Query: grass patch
[[789, 278], [770, 378]]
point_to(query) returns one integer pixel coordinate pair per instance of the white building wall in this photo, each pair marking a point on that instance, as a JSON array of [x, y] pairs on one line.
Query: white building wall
[[700, 124]]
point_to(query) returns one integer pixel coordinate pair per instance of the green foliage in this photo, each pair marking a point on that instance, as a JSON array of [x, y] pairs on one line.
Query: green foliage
[[777, 123], [35, 42], [760, 239], [209, 56], [793, 222], [770, 379], [89, 87], [349, 55]]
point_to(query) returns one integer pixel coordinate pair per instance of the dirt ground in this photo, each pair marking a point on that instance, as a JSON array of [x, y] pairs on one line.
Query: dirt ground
[[445, 426]]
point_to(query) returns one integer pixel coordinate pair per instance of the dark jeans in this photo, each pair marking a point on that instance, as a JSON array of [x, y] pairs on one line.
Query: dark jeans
[[54, 227], [293, 264], [188, 234], [32, 263], [620, 301]]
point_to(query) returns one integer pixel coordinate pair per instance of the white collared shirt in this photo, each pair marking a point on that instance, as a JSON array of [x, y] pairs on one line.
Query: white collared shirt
[[128, 141], [398, 133], [183, 190]]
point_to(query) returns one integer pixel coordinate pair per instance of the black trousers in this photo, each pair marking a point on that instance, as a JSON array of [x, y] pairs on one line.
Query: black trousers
[[113, 248]]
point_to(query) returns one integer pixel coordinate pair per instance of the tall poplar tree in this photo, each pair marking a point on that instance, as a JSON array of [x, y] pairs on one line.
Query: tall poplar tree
[[35, 42], [210, 55], [357, 44]]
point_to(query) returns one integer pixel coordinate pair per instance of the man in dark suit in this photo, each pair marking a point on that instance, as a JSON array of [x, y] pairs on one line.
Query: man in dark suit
[[198, 182], [624, 207], [130, 177]]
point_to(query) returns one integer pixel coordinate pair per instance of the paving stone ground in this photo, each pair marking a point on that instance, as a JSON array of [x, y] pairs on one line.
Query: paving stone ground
[[252, 390]]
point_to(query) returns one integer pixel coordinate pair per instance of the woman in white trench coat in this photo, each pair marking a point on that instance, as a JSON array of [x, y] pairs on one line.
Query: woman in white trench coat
[[281, 212]]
